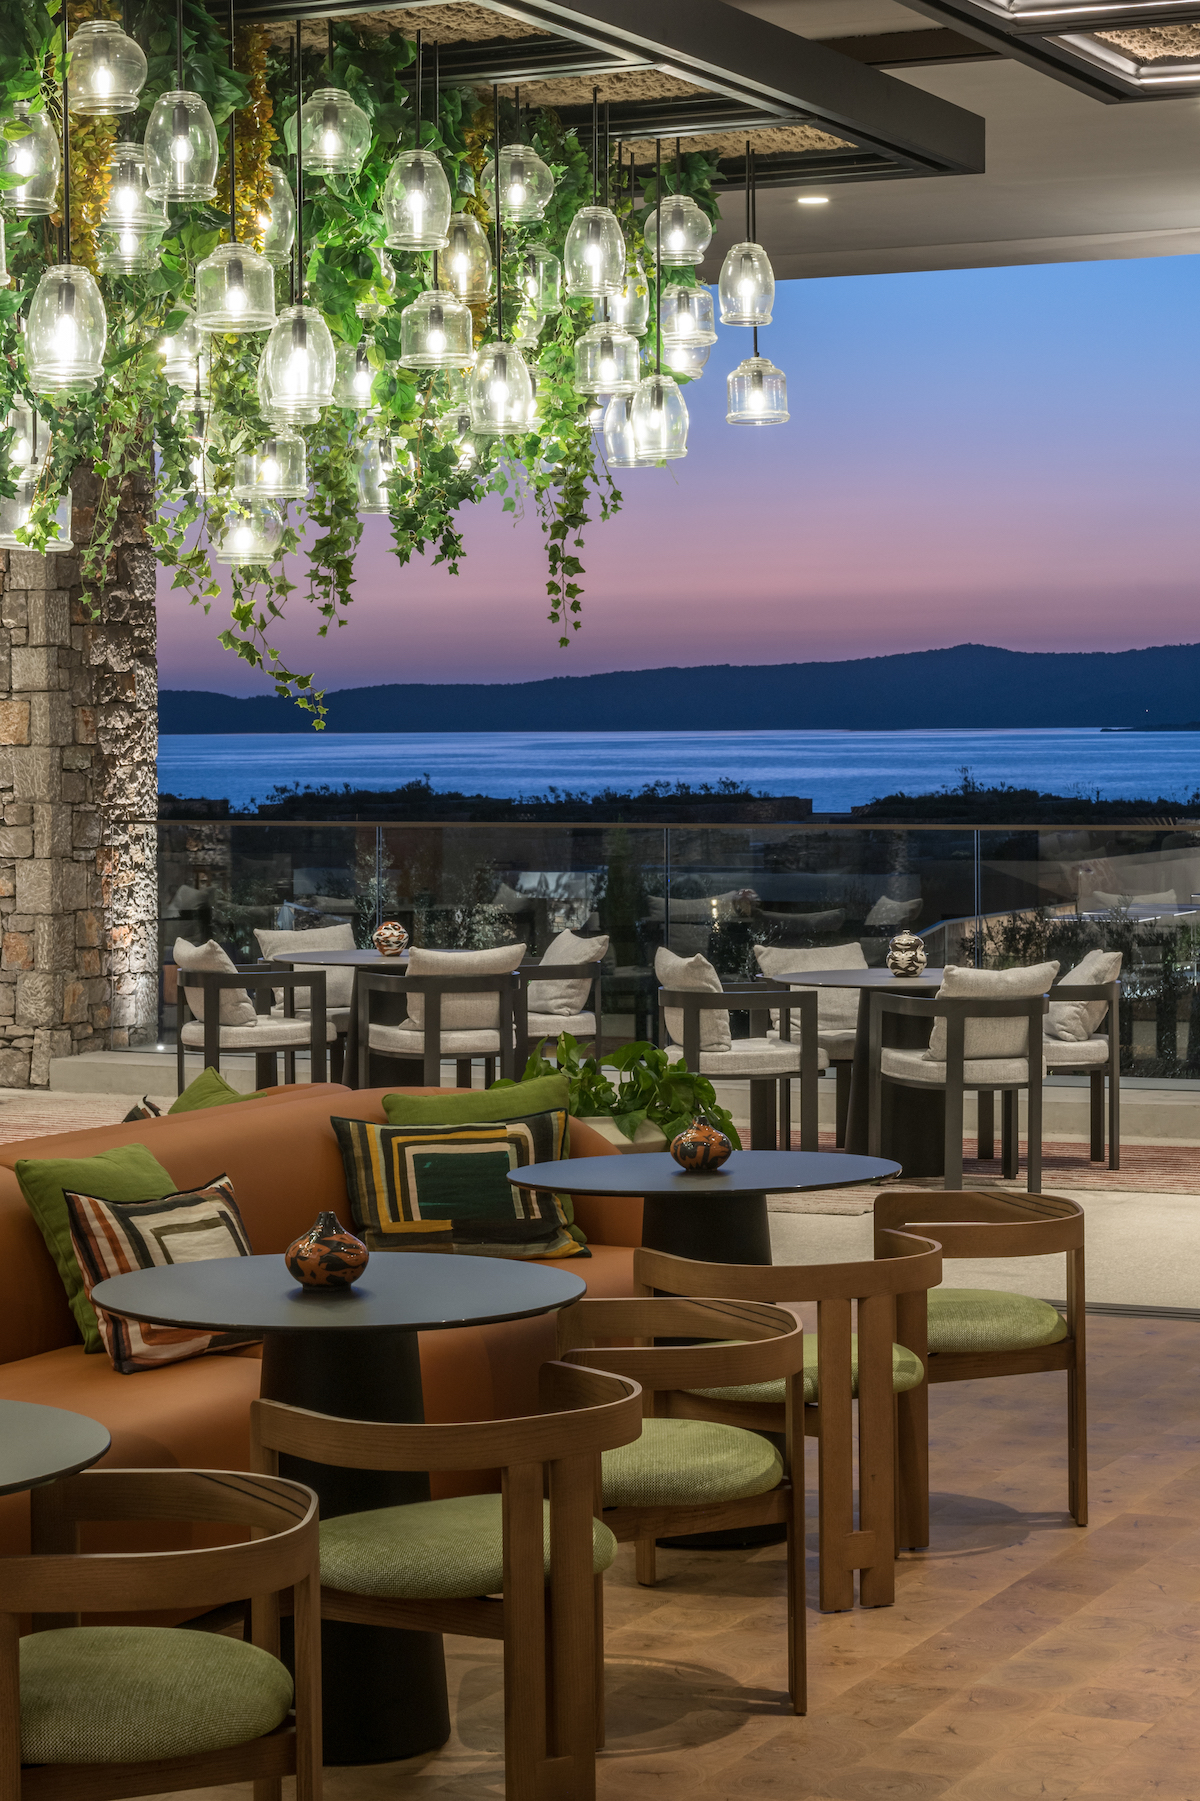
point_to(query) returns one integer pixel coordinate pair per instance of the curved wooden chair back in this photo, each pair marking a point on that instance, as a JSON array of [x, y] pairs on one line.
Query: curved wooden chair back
[[59, 1584], [984, 1222], [754, 1342]]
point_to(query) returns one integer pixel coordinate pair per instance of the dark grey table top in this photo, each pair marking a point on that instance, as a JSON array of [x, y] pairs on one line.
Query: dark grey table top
[[409, 1291], [656, 1173], [367, 959], [39, 1443], [863, 978]]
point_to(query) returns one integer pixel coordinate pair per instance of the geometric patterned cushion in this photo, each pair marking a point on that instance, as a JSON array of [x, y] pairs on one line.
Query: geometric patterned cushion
[[128, 1694], [989, 1319], [686, 1462], [431, 1550], [906, 1373]]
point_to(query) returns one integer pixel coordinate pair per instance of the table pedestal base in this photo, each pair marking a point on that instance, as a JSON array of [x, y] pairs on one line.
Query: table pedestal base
[[384, 1691], [709, 1228]]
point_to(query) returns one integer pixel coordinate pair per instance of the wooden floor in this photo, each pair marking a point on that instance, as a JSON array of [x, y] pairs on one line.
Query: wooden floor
[[1025, 1659]]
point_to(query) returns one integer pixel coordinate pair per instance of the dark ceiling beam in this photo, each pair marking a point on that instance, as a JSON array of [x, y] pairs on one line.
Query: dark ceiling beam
[[505, 60], [911, 49], [673, 117], [1032, 43]]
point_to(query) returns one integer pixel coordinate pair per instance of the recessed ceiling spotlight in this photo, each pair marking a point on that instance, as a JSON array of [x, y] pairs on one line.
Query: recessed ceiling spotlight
[[813, 200]]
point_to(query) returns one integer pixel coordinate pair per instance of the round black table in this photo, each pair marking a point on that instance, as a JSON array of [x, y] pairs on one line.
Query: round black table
[[353, 1353], [718, 1218], [39, 1444], [913, 1120]]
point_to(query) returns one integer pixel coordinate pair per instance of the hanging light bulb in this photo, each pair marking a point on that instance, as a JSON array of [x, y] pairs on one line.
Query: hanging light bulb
[[180, 351], [354, 375], [620, 445], [687, 359], [500, 391], [277, 219], [686, 232], [252, 533], [182, 152], [275, 469], [380, 300], [687, 317], [34, 157], [747, 286], [630, 305], [275, 416], [416, 202], [335, 134], [436, 333], [607, 361], [107, 69], [594, 253], [757, 393], [659, 418], [29, 441], [526, 184], [66, 333], [300, 362], [235, 290], [133, 226], [466, 268]]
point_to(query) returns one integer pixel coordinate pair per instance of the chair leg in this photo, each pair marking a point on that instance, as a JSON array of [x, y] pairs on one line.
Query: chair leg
[[1010, 1133], [179, 1064], [289, 1067], [835, 1459], [266, 1069], [462, 1072], [645, 1561], [598, 1656], [1114, 1116], [1034, 1132], [797, 1611], [1097, 1115], [489, 1071], [954, 1131], [337, 1058], [268, 1788], [1077, 1472], [841, 1101], [912, 1465], [876, 1449], [785, 1117], [986, 1124], [762, 1114]]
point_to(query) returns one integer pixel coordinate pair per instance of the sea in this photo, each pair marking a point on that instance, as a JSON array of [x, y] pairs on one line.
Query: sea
[[835, 770]]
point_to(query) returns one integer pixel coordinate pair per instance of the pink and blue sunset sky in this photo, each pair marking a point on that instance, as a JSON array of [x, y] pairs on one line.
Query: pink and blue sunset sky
[[1008, 456]]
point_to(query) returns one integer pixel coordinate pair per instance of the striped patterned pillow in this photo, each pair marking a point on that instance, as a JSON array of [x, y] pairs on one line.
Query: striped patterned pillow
[[112, 1237]]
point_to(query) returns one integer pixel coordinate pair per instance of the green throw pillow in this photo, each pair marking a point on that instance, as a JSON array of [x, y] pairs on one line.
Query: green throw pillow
[[126, 1173], [210, 1089], [446, 1187]]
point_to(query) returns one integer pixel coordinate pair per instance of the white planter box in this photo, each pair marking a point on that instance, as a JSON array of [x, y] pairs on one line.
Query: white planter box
[[648, 1138]]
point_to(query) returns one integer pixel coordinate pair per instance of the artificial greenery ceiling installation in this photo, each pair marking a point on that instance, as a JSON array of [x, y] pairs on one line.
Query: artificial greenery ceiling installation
[[182, 427]]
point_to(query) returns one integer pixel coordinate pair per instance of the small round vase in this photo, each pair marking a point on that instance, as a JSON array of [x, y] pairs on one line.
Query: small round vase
[[906, 955], [700, 1148], [326, 1256], [390, 939]]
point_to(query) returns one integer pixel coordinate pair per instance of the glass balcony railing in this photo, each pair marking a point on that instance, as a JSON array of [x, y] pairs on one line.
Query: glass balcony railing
[[992, 897]]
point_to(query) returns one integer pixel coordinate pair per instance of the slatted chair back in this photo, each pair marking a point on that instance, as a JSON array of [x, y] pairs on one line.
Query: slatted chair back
[[752, 1342]]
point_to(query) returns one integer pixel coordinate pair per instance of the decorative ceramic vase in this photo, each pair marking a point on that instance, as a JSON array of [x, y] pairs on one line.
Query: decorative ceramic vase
[[906, 955], [326, 1256], [390, 939], [701, 1148]]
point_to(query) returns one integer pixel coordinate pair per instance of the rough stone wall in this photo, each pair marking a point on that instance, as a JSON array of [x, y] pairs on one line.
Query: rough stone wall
[[78, 736]]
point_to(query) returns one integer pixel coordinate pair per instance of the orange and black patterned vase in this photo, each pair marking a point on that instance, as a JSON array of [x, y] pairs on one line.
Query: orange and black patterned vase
[[327, 1256], [390, 939], [701, 1148]]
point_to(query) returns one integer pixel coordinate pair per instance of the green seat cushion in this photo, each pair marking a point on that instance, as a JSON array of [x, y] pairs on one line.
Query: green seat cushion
[[127, 1694], [989, 1319], [906, 1373], [686, 1462], [209, 1089], [431, 1550], [126, 1173]]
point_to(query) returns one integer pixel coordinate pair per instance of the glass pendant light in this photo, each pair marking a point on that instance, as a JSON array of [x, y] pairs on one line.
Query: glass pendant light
[[454, 428], [687, 317], [107, 69], [416, 202], [595, 410], [376, 466], [659, 418], [501, 391], [335, 134], [182, 152], [687, 359], [436, 332], [541, 280], [180, 351], [34, 157], [277, 219], [275, 416], [299, 362], [235, 290], [526, 184], [686, 232], [607, 361], [30, 439], [353, 374], [252, 533], [66, 333], [620, 445], [14, 513], [594, 253], [133, 226], [380, 300], [757, 393], [276, 469], [630, 305], [747, 286], [466, 268]]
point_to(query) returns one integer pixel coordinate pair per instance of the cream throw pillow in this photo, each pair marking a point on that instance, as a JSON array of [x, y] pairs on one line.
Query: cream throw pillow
[[990, 1037], [339, 983], [889, 912], [566, 996], [1077, 1020], [237, 1009], [462, 1012], [837, 1008], [693, 972]]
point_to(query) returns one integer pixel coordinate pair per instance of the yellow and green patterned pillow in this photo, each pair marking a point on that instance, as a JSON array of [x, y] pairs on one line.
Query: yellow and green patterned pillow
[[446, 1187]]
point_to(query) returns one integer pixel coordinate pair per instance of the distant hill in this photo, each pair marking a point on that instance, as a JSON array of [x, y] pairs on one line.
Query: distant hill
[[968, 685]]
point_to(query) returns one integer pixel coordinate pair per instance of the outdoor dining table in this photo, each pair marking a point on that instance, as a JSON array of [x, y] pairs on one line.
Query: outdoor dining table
[[913, 1120], [389, 1009]]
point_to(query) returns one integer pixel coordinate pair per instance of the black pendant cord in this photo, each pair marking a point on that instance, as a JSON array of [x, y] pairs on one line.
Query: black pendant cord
[[330, 53], [517, 111], [658, 265], [299, 301], [749, 239], [179, 45], [499, 228], [292, 49], [437, 124], [678, 168], [595, 144], [417, 139], [753, 191], [66, 169], [607, 151], [232, 141]]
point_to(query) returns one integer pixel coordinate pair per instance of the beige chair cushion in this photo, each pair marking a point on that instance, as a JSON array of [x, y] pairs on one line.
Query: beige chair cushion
[[837, 1008], [693, 972], [397, 1041], [838, 1046], [462, 1012], [267, 1034], [1079, 1019], [567, 996], [339, 982], [1099, 901], [990, 1037], [749, 1057], [237, 1009], [978, 1072], [549, 1025], [1068, 1053], [337, 1017]]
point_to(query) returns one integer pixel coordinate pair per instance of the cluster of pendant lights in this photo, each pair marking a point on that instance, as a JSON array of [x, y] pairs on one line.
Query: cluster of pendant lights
[[493, 391]]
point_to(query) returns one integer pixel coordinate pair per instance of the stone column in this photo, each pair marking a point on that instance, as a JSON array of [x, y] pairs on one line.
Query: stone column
[[78, 735]]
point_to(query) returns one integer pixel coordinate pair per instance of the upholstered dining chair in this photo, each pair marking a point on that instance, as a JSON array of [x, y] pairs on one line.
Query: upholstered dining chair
[[841, 1366], [561, 993], [690, 1475], [339, 978], [217, 1013], [97, 1712], [837, 1010], [461, 1004], [968, 1333], [512, 1566]]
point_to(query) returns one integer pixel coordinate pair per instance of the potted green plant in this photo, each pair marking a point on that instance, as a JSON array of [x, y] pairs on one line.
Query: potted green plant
[[650, 1102]]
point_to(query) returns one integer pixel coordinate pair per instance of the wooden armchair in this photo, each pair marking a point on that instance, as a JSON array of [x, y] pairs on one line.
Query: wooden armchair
[[267, 1036], [841, 1367], [95, 1713], [428, 1041]]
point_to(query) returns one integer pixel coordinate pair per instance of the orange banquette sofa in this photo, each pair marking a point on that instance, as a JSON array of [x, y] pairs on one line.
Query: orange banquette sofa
[[282, 1155]]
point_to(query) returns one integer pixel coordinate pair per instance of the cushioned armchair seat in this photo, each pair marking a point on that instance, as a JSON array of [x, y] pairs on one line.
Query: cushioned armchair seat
[[978, 1072], [549, 1025], [337, 1017], [749, 1057], [906, 1373], [689, 1462], [268, 1034], [129, 1694], [404, 1041], [989, 1319], [431, 1550], [1062, 1053]]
